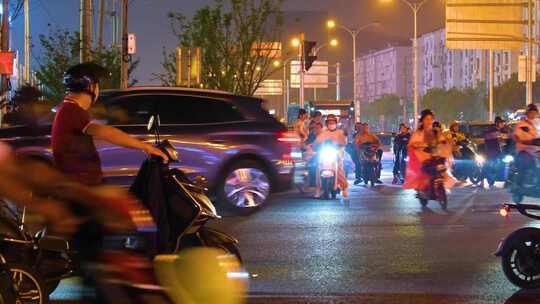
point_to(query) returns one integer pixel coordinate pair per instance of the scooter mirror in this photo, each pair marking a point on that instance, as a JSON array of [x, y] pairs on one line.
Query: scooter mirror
[[150, 124], [153, 123]]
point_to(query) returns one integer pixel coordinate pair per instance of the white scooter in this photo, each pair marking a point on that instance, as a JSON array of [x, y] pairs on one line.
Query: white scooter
[[328, 159]]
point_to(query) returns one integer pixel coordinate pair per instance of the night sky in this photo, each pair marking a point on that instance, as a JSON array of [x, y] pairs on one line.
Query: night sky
[[148, 20]]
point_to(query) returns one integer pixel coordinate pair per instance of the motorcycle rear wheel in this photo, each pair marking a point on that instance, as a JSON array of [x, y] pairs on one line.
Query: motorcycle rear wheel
[[29, 285], [521, 263]]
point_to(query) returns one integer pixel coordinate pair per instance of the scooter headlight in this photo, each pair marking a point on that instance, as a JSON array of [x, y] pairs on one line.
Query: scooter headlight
[[328, 154], [479, 159], [508, 159]]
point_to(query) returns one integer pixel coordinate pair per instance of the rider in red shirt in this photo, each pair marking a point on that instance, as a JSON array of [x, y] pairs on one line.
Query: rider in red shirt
[[73, 131]]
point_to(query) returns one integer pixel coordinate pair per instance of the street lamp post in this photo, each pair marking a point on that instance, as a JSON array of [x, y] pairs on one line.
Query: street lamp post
[[415, 6], [354, 33]]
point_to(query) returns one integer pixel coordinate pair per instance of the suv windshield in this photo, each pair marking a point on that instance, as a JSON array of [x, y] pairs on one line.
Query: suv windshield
[[477, 131]]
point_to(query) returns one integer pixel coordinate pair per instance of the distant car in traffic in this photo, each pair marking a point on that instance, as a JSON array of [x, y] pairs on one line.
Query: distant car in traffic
[[244, 152]]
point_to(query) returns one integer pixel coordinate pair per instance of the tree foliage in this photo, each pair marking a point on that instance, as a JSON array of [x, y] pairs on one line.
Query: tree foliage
[[384, 113], [231, 40], [60, 50], [455, 104]]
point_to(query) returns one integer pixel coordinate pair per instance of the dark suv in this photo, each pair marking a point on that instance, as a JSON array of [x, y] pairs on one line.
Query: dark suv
[[231, 140]]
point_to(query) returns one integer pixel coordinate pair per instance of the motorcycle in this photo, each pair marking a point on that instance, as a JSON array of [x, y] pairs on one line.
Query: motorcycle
[[520, 251], [498, 170], [370, 163], [402, 159], [189, 208], [469, 163], [531, 179], [435, 168], [38, 263], [328, 158]]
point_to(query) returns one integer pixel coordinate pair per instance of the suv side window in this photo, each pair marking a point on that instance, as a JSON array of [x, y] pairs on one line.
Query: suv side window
[[129, 110], [183, 109]]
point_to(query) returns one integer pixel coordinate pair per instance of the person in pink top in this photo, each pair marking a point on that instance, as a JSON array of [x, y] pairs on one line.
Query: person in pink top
[[425, 142]]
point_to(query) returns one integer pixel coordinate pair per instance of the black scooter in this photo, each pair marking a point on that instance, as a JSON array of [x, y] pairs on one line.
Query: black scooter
[[370, 163], [189, 208], [434, 167], [520, 251], [401, 159], [39, 262]]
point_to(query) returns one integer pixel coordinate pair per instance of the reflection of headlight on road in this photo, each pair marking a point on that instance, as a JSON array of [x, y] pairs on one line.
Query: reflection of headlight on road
[[328, 154], [508, 159], [479, 159]]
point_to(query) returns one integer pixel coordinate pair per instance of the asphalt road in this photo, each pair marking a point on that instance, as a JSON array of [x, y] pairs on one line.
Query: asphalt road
[[380, 246]]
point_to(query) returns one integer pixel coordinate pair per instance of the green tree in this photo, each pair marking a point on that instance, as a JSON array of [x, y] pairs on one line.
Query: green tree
[[234, 43], [448, 105], [385, 112], [60, 50], [509, 96]]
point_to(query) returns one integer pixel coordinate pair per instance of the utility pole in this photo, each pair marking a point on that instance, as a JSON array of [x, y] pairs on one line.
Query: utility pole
[[491, 84], [125, 56], [302, 71], [86, 30], [114, 21], [26, 42], [101, 24], [5, 48], [530, 69]]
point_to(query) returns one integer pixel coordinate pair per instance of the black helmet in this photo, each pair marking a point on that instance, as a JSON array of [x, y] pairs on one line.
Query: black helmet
[[80, 77], [331, 117], [532, 107], [425, 113], [499, 119]]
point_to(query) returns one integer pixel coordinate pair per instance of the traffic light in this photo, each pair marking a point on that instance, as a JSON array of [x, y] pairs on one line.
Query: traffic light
[[308, 58]]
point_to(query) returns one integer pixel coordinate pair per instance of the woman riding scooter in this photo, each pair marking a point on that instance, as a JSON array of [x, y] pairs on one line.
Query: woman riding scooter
[[336, 137], [426, 144]]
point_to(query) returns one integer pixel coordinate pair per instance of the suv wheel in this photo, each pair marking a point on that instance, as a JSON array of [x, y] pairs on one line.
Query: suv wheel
[[245, 187]]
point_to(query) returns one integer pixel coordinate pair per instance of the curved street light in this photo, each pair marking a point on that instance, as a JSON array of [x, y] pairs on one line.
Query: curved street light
[[331, 24], [415, 6]]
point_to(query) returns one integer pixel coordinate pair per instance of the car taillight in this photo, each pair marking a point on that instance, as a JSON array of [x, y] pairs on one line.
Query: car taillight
[[288, 137], [504, 211]]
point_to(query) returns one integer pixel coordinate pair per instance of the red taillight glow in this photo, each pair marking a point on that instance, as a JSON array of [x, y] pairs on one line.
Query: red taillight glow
[[288, 137], [504, 211]]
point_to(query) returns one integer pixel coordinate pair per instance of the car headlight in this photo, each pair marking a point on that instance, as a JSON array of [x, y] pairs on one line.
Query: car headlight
[[508, 159], [328, 154], [479, 159]]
